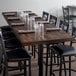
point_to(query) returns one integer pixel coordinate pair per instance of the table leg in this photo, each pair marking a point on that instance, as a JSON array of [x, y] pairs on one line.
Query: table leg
[[40, 59]]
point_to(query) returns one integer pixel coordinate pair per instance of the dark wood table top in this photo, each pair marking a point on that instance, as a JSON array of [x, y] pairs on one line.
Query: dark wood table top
[[50, 37]]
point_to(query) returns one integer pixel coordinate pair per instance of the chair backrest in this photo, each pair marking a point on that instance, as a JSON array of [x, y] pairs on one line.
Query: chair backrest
[[65, 13], [9, 43], [64, 26], [74, 31], [45, 16], [5, 29], [4, 55], [53, 20], [12, 44], [8, 35]]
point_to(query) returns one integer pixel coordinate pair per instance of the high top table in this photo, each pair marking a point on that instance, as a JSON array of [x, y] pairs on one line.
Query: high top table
[[27, 39]]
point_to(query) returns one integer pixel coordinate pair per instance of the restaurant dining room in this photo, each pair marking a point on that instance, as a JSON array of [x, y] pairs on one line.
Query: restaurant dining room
[[37, 38]]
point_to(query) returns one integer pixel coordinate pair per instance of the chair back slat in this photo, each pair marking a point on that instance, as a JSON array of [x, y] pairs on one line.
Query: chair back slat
[[52, 19], [64, 26], [65, 13], [45, 16]]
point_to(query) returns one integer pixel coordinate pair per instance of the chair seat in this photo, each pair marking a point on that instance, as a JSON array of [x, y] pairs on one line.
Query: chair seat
[[5, 29], [18, 54], [13, 43], [65, 49]]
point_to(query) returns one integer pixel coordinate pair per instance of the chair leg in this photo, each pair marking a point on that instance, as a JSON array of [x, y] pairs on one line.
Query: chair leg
[[25, 70], [29, 67], [46, 63], [60, 70], [64, 66], [34, 51], [5, 70], [51, 73], [58, 60], [20, 65], [54, 56], [28, 47], [69, 65]]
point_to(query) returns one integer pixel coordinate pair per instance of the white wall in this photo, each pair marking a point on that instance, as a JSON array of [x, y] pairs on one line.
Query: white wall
[[52, 6]]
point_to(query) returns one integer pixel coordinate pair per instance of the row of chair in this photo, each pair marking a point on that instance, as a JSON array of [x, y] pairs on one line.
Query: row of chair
[[53, 20], [50, 18], [13, 51], [62, 51], [59, 47], [62, 24]]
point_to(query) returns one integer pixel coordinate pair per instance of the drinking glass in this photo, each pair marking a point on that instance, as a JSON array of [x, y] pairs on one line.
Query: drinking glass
[[31, 22], [41, 30], [37, 31], [26, 16], [20, 14]]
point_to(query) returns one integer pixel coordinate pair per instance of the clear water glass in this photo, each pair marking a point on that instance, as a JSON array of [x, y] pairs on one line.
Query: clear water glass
[[41, 30], [20, 14], [25, 17], [37, 31], [32, 21]]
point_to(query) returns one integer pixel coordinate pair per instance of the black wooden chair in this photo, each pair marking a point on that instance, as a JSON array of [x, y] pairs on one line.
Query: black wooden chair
[[45, 16], [52, 19], [65, 14], [64, 51], [64, 26], [68, 16], [74, 35], [13, 51]]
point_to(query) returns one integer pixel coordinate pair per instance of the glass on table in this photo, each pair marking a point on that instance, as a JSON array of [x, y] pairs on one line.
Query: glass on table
[[24, 16], [39, 30], [20, 14], [36, 28], [31, 23]]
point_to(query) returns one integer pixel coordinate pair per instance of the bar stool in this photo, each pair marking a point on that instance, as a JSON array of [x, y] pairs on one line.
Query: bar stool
[[64, 51], [16, 53], [55, 57]]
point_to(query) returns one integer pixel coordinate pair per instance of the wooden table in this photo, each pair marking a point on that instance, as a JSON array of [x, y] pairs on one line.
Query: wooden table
[[51, 37]]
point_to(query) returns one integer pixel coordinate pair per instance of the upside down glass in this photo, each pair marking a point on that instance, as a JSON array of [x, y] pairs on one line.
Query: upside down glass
[[42, 30], [36, 27], [31, 22], [39, 31]]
